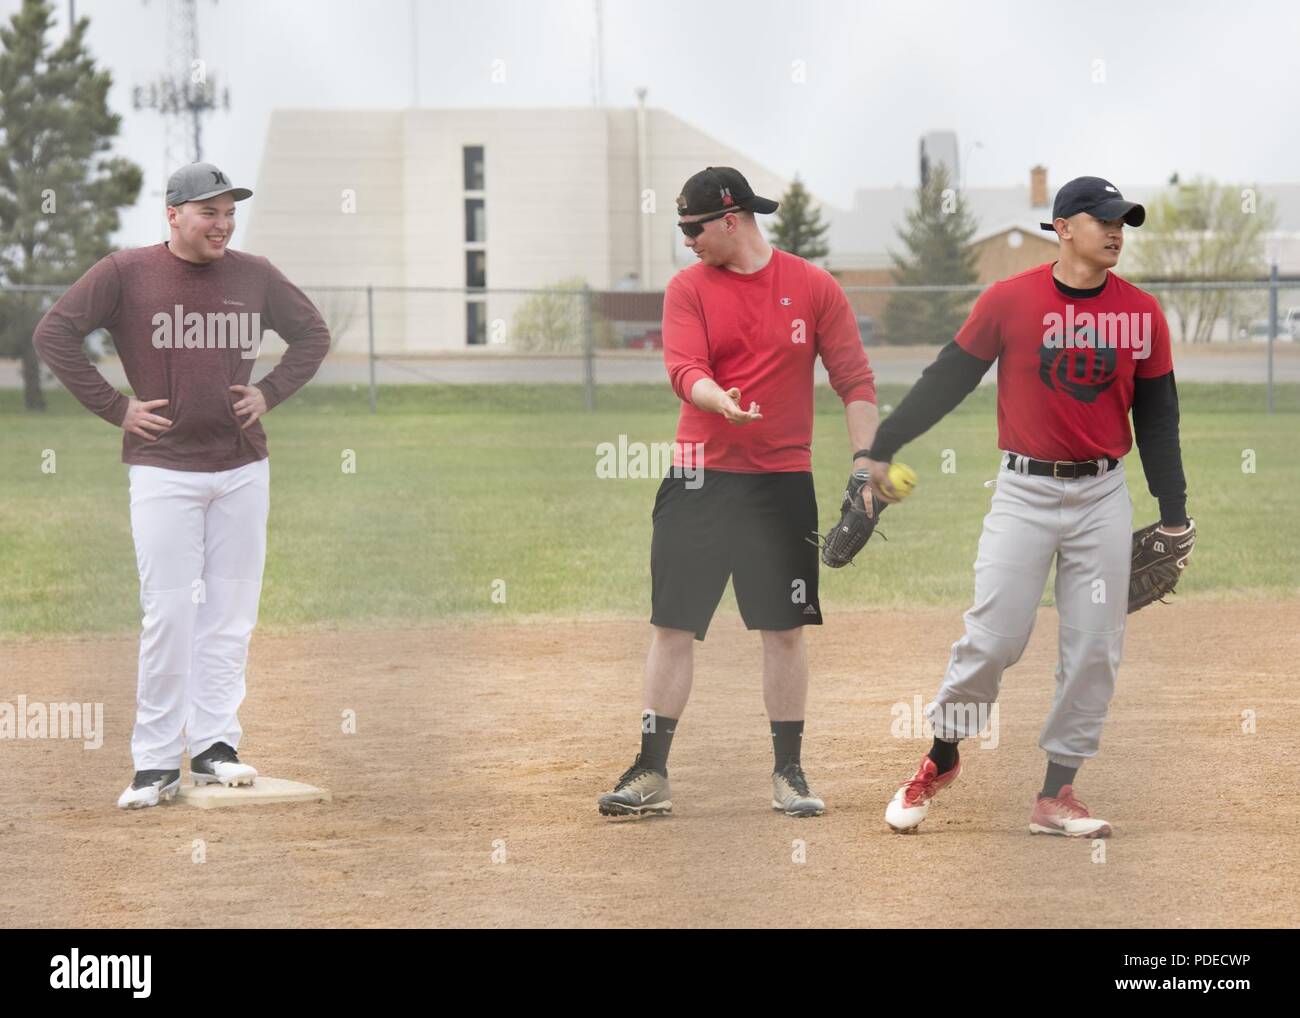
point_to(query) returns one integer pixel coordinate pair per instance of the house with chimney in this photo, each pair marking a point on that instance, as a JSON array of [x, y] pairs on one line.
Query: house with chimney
[[1008, 241]]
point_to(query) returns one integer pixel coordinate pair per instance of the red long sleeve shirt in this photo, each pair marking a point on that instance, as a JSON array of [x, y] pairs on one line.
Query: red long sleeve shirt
[[760, 333], [125, 292]]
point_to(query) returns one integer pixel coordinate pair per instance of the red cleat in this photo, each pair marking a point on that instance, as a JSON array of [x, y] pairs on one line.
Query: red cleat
[[911, 802], [1067, 816]]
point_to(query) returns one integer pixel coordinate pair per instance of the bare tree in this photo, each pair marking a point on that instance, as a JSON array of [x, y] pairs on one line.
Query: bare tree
[[339, 309], [1204, 231]]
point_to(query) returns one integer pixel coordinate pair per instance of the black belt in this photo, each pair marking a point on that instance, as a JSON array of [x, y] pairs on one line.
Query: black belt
[[1063, 469]]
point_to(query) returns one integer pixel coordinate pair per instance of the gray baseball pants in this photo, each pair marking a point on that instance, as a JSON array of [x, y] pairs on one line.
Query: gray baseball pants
[[1084, 525]]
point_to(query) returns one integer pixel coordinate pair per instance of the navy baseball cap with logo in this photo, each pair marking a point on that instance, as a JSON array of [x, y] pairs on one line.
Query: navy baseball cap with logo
[[717, 189], [201, 180], [1099, 198]]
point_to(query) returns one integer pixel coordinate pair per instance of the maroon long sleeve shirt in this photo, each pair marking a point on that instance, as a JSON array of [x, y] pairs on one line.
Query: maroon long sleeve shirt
[[177, 328]]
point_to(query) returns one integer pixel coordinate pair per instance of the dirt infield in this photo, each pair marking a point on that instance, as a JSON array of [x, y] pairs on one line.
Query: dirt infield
[[483, 740]]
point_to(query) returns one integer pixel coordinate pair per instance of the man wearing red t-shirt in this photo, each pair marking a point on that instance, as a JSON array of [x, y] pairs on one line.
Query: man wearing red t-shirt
[[742, 331], [1077, 348]]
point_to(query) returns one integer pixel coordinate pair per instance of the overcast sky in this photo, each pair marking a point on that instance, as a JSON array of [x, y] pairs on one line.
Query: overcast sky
[[1130, 91]]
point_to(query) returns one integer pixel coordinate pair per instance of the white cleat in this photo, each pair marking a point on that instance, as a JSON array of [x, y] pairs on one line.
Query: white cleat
[[149, 788], [219, 765]]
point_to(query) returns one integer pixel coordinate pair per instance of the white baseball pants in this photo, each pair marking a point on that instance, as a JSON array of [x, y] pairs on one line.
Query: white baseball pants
[[200, 545], [1086, 525]]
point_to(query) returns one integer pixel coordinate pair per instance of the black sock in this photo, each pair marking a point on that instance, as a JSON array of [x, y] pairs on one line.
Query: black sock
[[1057, 778], [656, 740], [944, 755], [787, 740]]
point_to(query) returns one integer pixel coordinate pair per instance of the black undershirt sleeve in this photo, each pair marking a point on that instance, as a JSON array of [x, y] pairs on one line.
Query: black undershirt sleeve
[[942, 385], [1155, 429]]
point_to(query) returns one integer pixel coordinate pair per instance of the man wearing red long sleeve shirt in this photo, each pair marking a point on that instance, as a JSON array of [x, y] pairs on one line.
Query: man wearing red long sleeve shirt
[[742, 330]]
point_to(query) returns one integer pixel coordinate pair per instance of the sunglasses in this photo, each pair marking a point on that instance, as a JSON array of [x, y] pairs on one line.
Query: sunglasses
[[696, 228]]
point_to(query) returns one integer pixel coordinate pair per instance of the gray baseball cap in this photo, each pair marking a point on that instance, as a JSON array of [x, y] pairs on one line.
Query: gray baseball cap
[[201, 180]]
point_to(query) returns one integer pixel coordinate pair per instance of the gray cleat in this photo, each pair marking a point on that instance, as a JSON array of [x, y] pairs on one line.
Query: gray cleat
[[791, 796], [639, 791]]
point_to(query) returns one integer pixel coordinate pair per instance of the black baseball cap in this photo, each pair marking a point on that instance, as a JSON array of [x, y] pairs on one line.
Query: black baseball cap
[[718, 188], [1097, 197]]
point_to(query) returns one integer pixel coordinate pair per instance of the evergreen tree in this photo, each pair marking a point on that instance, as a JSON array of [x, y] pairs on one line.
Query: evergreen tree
[[60, 189], [937, 237], [798, 226]]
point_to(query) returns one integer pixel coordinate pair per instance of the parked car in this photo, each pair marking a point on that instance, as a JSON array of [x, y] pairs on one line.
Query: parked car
[[1258, 332], [652, 339], [1293, 322]]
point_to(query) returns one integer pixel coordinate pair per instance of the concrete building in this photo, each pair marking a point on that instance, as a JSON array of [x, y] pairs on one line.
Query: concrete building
[[939, 149], [488, 199]]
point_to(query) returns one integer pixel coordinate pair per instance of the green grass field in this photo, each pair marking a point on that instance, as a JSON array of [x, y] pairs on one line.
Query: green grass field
[[458, 487]]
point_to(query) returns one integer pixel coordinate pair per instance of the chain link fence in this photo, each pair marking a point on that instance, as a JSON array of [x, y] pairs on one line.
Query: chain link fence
[[1248, 331]]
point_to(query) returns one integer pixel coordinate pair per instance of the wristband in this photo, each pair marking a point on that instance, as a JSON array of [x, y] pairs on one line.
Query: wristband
[[862, 454]]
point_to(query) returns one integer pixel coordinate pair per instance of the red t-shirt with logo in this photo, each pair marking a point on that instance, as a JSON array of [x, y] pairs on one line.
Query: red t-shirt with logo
[[1066, 364], [760, 332]]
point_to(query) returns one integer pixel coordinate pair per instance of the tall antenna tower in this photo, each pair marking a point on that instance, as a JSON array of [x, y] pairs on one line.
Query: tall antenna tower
[[598, 57], [186, 92]]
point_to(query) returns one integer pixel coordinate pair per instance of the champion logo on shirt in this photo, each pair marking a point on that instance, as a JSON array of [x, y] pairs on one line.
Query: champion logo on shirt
[[786, 302]]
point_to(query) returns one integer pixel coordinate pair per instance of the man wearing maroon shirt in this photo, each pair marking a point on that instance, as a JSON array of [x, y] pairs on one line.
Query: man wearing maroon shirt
[[742, 330], [186, 319], [1077, 349]]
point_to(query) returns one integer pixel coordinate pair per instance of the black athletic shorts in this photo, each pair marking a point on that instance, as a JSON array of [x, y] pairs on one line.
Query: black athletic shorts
[[755, 528]]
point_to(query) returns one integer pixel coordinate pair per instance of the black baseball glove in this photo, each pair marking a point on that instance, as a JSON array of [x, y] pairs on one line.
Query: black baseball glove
[[1159, 559], [855, 527]]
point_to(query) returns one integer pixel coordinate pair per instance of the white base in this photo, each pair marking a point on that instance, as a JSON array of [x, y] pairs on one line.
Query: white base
[[263, 790]]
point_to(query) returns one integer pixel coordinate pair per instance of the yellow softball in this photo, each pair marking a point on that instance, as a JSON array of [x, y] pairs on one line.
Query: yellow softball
[[903, 478]]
